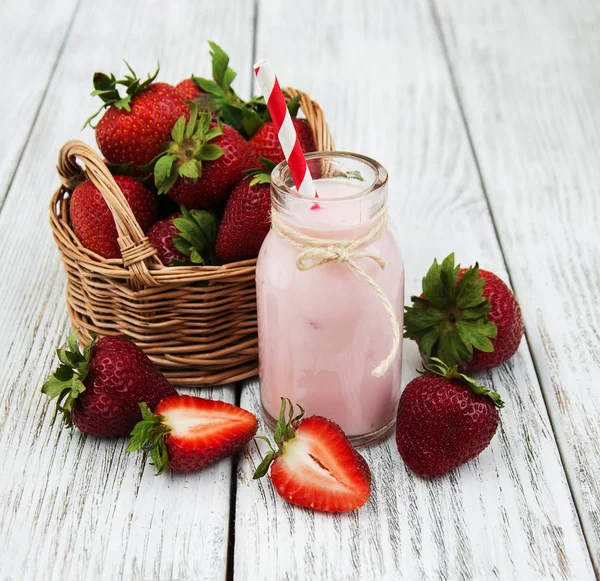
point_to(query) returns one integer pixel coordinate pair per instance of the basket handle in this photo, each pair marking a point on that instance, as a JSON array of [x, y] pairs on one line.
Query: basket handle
[[315, 117], [138, 254]]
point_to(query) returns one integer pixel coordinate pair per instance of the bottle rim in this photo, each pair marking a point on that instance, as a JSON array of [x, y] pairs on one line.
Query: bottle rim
[[281, 177]]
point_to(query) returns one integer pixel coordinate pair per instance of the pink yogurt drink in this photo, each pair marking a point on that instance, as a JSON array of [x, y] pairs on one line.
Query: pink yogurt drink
[[322, 331]]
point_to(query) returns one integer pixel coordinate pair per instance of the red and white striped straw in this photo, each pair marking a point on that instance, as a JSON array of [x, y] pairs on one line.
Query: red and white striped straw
[[288, 139]]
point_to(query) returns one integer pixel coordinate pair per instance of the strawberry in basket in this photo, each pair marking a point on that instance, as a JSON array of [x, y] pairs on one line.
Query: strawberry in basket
[[186, 238], [203, 162], [246, 220], [136, 125], [93, 222]]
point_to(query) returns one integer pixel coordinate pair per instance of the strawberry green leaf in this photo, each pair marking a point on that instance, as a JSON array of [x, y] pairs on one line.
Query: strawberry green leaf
[[105, 87], [210, 152], [149, 435], [293, 106], [222, 74], [190, 169], [67, 381], [451, 319], [209, 86], [197, 236], [178, 131]]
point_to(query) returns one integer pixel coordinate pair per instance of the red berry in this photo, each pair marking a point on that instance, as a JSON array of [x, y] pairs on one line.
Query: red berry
[[317, 467], [161, 237], [138, 136], [266, 143], [218, 176], [188, 89], [93, 222], [246, 222], [505, 312], [116, 375], [442, 424], [192, 432]]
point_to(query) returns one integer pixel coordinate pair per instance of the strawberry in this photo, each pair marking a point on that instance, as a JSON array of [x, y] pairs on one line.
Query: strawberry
[[135, 127], [246, 220], [266, 143], [98, 390], [202, 164], [444, 420], [315, 465], [185, 238], [188, 433], [93, 222], [465, 316], [189, 89]]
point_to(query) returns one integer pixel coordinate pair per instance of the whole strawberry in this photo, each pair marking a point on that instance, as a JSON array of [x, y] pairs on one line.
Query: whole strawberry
[[266, 143], [465, 317], [136, 126], [185, 238], [98, 390], [444, 420], [202, 164], [246, 220], [187, 433], [93, 222], [315, 465]]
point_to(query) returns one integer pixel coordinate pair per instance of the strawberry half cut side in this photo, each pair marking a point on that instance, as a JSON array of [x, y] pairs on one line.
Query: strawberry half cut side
[[315, 465], [450, 319], [188, 433]]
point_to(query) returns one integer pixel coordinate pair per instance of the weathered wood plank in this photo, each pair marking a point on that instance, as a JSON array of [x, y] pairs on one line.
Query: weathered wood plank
[[527, 74], [76, 507], [384, 85], [31, 35]]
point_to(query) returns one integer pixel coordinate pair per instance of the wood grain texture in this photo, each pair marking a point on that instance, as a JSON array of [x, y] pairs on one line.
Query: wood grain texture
[[76, 507], [384, 85], [527, 75], [31, 36]]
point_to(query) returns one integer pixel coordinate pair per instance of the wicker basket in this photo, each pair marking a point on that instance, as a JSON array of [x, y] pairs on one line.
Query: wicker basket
[[198, 334]]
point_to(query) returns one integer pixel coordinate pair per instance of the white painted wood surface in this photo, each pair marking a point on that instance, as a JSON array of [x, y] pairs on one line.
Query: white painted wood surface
[[384, 85], [31, 37], [76, 507], [73, 507], [527, 74]]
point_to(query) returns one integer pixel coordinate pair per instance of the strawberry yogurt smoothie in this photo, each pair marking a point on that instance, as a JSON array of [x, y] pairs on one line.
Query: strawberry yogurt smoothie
[[322, 331]]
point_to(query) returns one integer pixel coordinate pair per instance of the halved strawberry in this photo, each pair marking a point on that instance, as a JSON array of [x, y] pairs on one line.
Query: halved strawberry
[[315, 465], [188, 433]]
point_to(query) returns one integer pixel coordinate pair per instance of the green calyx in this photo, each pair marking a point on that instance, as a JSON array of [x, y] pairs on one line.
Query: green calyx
[[106, 88], [246, 117], [66, 383], [184, 155], [451, 319], [438, 367], [260, 175], [284, 430], [197, 237], [149, 435]]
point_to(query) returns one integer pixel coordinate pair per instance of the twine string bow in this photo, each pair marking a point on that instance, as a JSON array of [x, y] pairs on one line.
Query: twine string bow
[[317, 251]]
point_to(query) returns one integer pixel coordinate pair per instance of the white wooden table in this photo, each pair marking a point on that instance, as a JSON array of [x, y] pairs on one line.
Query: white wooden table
[[487, 115]]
